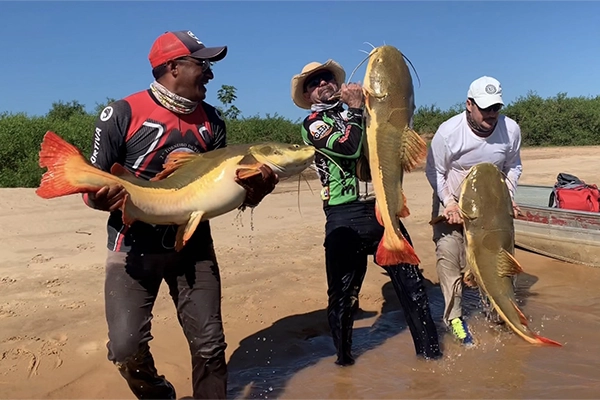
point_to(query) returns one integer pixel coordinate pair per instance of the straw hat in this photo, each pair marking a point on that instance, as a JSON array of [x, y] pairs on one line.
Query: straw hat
[[309, 69]]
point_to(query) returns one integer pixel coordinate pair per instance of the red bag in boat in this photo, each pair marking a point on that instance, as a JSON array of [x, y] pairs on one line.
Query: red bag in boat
[[571, 193]]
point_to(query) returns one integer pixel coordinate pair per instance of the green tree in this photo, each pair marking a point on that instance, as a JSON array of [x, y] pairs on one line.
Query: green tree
[[101, 106], [61, 111], [227, 96]]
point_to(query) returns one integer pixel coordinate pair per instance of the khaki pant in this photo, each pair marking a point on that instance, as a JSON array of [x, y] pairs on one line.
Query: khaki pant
[[450, 265]]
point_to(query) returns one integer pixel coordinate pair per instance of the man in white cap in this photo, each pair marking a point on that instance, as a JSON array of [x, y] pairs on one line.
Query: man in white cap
[[351, 230], [478, 134]]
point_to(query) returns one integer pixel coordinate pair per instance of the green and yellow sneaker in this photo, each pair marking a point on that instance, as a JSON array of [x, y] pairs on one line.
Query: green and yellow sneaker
[[460, 330]]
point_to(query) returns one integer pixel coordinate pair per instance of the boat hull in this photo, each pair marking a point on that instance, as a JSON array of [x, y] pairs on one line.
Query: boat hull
[[566, 235]]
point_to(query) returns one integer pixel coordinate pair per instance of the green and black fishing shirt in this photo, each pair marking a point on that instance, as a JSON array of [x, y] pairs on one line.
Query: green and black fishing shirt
[[339, 133]]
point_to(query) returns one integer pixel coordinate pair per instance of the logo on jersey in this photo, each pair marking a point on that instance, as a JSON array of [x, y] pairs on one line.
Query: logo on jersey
[[319, 129], [179, 148], [325, 193], [190, 34], [106, 114]]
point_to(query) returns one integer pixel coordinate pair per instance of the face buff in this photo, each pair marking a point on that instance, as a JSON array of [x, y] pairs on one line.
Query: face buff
[[172, 101]]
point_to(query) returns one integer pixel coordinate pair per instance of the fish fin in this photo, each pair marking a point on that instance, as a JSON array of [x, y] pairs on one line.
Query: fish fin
[[539, 339], [120, 171], [250, 167], [394, 249], [522, 317], [413, 150], [546, 340], [469, 279], [185, 232], [508, 264], [378, 214], [247, 172], [174, 161], [125, 217], [248, 160], [404, 211], [66, 167]]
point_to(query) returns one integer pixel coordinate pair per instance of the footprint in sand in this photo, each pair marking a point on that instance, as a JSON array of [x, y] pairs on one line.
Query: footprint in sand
[[6, 312], [27, 352], [50, 283], [90, 348], [39, 259], [74, 305], [7, 281], [85, 246]]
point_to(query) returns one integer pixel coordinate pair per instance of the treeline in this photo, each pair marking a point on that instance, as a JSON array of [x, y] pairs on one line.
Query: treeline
[[555, 121]]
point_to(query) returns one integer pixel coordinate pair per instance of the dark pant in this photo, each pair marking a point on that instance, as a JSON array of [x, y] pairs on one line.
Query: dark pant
[[131, 286], [351, 234]]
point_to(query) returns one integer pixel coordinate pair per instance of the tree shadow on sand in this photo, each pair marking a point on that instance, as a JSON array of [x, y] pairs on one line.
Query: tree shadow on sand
[[264, 362]]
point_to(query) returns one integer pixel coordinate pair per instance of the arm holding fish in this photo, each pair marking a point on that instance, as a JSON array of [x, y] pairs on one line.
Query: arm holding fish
[[107, 149], [437, 166], [513, 167]]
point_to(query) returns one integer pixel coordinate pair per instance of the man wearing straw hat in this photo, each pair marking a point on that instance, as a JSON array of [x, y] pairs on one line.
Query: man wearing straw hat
[[351, 229]]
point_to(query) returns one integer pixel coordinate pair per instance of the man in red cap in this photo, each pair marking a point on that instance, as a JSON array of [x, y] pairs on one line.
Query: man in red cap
[[140, 131]]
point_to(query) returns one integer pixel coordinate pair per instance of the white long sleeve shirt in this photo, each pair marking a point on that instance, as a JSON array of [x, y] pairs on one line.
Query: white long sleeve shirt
[[455, 148]]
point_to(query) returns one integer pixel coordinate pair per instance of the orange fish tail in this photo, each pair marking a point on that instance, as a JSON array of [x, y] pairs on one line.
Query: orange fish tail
[[394, 250], [65, 164], [544, 340], [536, 338]]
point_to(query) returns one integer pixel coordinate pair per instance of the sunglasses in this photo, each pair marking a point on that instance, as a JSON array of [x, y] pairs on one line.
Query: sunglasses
[[492, 108], [204, 64], [316, 79]]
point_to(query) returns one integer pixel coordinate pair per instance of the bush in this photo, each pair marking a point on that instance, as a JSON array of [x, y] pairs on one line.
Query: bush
[[555, 121]]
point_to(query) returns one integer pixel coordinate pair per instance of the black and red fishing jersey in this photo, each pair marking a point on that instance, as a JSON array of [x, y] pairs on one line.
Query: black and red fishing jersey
[[139, 133]]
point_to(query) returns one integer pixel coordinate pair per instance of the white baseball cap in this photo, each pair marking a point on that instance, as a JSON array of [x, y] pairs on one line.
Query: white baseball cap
[[486, 91]]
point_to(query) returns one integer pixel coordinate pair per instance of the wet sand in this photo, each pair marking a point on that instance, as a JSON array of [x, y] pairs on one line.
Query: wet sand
[[53, 332]]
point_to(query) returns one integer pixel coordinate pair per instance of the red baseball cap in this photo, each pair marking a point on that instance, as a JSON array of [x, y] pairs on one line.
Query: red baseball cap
[[171, 45]]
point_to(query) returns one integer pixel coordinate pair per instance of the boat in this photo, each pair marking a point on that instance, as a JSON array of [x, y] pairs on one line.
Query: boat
[[567, 235]]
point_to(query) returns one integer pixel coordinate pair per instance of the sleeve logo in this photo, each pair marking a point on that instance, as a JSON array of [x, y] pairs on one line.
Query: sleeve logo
[[319, 129], [106, 114]]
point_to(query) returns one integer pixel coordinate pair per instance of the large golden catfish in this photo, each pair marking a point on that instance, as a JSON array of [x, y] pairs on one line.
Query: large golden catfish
[[191, 188], [393, 147], [487, 213]]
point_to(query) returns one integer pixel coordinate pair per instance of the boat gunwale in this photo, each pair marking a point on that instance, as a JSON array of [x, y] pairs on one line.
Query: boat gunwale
[[521, 205]]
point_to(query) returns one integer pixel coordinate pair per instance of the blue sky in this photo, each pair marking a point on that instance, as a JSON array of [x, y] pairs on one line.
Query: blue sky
[[88, 51]]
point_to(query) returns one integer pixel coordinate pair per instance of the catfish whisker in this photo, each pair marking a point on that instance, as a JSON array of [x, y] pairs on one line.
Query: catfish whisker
[[299, 210], [358, 66], [369, 44], [307, 183], [330, 159], [413, 67]]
